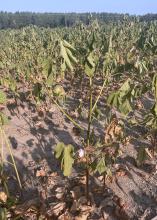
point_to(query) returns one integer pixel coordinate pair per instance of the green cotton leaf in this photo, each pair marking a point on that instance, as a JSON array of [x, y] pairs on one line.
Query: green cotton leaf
[[71, 57], [154, 85], [109, 172], [59, 150], [90, 60], [50, 80], [46, 67], [37, 90], [3, 98], [97, 113], [3, 213], [68, 160], [150, 122], [125, 88], [153, 110], [113, 99], [63, 67], [89, 65], [125, 107], [91, 42], [89, 71], [101, 166], [122, 98], [58, 90], [137, 91], [3, 119], [69, 46], [65, 155], [66, 53], [12, 85]]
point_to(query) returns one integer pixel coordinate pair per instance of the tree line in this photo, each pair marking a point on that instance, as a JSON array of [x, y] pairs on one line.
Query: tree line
[[52, 20]]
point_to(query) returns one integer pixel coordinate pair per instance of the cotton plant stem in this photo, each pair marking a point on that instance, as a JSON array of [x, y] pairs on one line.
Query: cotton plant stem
[[63, 111], [2, 157], [68, 116], [98, 97], [89, 114], [2, 164], [88, 140], [12, 157]]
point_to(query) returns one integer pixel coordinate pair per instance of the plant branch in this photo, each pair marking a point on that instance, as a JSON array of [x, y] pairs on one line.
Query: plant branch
[[12, 157], [63, 111], [98, 97], [88, 139], [68, 116]]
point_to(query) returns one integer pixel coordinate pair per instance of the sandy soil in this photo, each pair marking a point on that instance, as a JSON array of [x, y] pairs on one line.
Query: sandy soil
[[33, 139]]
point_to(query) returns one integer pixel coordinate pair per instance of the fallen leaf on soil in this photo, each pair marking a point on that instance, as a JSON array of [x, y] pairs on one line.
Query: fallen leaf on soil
[[11, 101], [139, 105], [54, 174], [76, 192], [107, 202], [74, 207], [57, 209], [81, 160], [149, 153], [85, 211], [65, 216], [40, 173], [82, 200], [90, 149], [121, 173], [33, 204], [120, 203], [74, 114], [52, 109], [39, 124], [82, 217], [83, 180], [105, 215], [59, 192]]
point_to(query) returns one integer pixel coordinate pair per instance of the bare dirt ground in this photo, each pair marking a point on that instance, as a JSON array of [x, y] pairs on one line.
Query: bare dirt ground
[[131, 195]]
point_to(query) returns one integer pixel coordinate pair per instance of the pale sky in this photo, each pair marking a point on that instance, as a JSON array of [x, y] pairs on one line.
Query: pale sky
[[119, 6]]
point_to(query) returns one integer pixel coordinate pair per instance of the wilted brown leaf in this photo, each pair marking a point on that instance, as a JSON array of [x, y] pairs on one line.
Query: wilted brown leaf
[[40, 173], [121, 173], [3, 197], [57, 209]]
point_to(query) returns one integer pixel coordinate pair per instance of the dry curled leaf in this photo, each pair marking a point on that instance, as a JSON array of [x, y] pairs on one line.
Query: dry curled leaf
[[113, 130], [31, 204], [85, 212], [3, 197], [139, 104], [57, 209], [121, 173], [40, 173], [54, 174], [65, 216], [82, 216], [39, 124], [76, 192]]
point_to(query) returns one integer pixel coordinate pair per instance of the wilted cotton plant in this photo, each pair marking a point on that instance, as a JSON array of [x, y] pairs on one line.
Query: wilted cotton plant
[[65, 153]]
